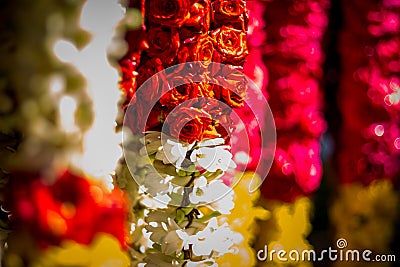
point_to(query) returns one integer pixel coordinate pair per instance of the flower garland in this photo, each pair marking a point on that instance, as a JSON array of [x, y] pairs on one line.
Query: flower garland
[[245, 225], [256, 70], [49, 203], [293, 57], [286, 230], [184, 111], [369, 150]]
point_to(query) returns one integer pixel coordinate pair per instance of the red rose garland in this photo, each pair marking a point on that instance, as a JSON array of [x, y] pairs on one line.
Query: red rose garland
[[171, 37]]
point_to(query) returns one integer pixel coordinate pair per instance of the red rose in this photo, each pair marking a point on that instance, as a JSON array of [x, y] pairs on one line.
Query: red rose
[[230, 97], [170, 13], [231, 88], [221, 115], [163, 42], [140, 117], [231, 44], [200, 48], [199, 16], [230, 12], [203, 90], [185, 92], [191, 124], [151, 91], [176, 96]]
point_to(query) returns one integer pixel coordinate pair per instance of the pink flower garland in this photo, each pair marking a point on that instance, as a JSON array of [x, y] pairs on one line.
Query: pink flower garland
[[293, 56], [370, 92]]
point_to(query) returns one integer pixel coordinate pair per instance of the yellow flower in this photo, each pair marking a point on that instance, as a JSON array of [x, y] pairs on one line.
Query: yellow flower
[[104, 251], [365, 216], [245, 225], [286, 230]]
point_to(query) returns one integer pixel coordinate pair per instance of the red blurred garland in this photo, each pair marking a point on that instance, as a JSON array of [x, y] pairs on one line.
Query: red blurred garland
[[293, 56], [369, 92], [73, 208]]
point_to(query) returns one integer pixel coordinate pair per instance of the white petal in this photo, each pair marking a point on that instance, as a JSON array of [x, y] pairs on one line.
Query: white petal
[[211, 142]]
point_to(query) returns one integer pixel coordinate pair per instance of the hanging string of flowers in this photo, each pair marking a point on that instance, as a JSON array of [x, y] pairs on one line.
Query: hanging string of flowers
[[177, 173], [256, 70], [293, 57], [177, 126], [52, 208], [369, 151]]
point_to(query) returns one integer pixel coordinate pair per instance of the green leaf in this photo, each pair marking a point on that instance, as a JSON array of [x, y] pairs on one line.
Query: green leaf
[[180, 216], [157, 246], [187, 210], [209, 216]]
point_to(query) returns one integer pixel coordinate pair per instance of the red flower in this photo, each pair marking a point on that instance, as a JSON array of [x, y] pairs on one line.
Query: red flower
[[232, 98], [296, 169], [170, 13], [163, 43], [191, 124], [231, 44], [151, 92], [230, 12], [231, 87], [140, 118], [71, 208], [220, 114], [199, 16], [127, 83], [185, 92], [199, 48]]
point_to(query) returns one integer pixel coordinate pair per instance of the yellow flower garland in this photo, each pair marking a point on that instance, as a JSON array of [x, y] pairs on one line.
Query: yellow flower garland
[[287, 230], [365, 216], [243, 220]]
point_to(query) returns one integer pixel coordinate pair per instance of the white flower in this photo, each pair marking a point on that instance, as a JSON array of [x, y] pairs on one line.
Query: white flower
[[203, 263], [225, 204], [211, 142], [213, 158], [173, 152], [160, 201], [213, 238], [218, 195]]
